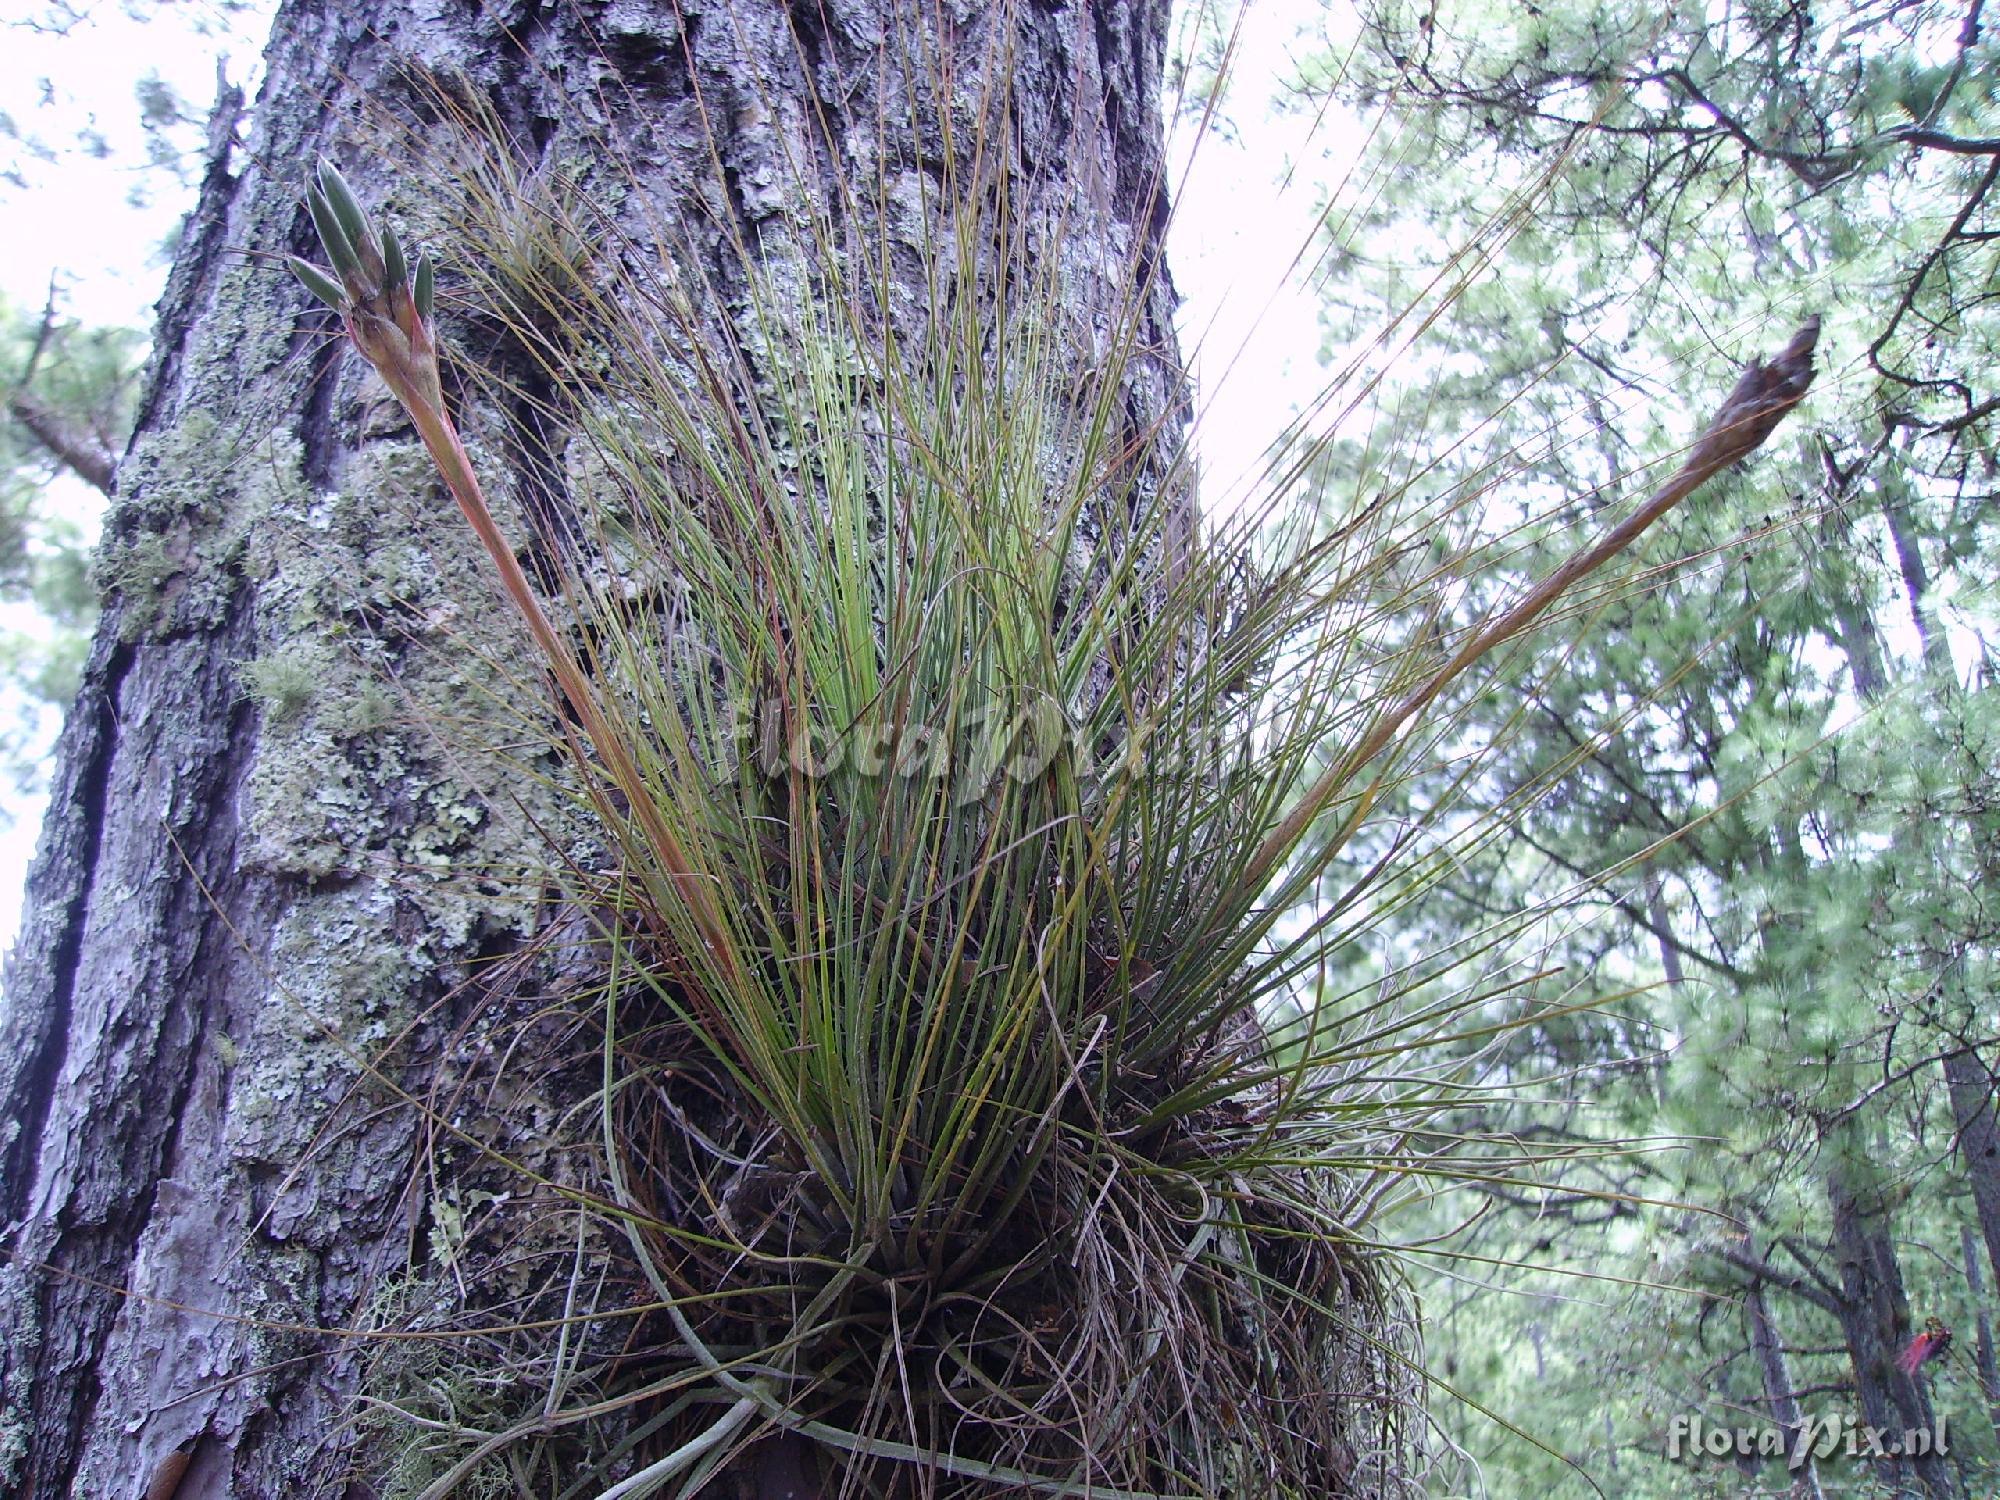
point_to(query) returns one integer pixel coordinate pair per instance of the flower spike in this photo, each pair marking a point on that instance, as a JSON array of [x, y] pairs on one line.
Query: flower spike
[[387, 318], [387, 312]]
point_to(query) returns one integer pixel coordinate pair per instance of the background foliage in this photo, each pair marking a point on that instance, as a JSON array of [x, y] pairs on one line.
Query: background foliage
[[1757, 785]]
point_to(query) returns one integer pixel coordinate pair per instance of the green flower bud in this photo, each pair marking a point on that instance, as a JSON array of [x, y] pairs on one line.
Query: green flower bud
[[423, 291], [346, 208], [395, 271], [333, 235], [318, 283]]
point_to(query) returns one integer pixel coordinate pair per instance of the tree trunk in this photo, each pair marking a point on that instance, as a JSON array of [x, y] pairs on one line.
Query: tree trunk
[[255, 877], [1769, 1348], [1970, 1086], [1875, 1320]]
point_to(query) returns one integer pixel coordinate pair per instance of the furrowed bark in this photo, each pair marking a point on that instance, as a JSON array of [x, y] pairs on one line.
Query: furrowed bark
[[260, 868]]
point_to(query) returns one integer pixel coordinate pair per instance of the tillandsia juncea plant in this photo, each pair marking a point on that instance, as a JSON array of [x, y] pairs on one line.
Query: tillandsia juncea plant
[[958, 1108]]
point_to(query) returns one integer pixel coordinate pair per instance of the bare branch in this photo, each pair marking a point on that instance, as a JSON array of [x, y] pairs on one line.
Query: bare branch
[[1957, 145], [77, 452], [1915, 285], [1759, 1269]]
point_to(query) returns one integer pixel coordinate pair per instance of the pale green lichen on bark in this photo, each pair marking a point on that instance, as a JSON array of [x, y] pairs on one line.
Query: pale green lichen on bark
[[189, 491], [342, 985], [174, 552], [260, 327], [376, 680], [373, 784], [287, 681]]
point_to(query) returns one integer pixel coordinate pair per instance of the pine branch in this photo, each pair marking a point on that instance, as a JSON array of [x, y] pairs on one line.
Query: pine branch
[[1759, 1269], [75, 451]]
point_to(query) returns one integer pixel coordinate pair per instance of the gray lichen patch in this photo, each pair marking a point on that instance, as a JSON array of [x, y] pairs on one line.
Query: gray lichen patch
[[261, 327], [339, 986], [18, 1283], [389, 673], [177, 548]]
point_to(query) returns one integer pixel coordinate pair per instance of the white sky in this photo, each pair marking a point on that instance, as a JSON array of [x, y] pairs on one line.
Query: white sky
[[1234, 237]]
